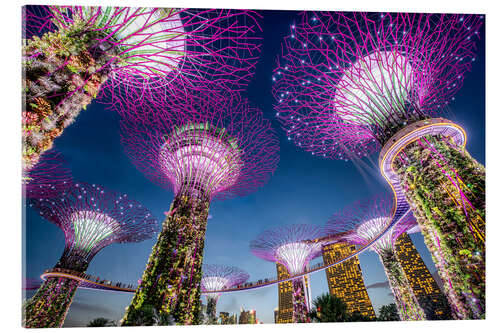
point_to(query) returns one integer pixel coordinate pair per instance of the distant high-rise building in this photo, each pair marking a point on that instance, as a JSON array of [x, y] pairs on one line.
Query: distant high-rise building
[[224, 318], [276, 312], [345, 280], [425, 288], [248, 317], [227, 319], [285, 296]]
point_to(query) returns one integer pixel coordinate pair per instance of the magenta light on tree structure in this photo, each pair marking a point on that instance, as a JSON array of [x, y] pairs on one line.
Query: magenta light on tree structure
[[287, 245], [91, 217], [218, 277], [48, 178], [73, 53], [201, 149], [349, 84], [367, 219]]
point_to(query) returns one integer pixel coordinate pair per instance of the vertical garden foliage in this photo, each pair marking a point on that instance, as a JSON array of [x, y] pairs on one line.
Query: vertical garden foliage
[[445, 187], [299, 301], [171, 280], [63, 72], [406, 302], [49, 306]]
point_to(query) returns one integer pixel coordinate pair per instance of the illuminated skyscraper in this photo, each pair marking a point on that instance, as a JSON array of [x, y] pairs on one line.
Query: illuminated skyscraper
[[424, 286], [345, 280], [285, 296]]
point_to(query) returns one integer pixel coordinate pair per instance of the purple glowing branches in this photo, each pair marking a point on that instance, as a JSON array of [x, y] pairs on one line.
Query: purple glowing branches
[[93, 217], [201, 147], [367, 219], [347, 81], [149, 45], [287, 245], [218, 277], [48, 178], [76, 53]]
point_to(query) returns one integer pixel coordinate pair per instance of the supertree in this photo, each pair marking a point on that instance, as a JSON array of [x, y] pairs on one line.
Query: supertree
[[287, 245], [349, 84], [201, 149], [368, 219], [48, 178], [91, 217], [218, 277], [73, 53]]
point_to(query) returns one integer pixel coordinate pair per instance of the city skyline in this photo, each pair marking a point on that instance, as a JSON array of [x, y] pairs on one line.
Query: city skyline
[[93, 150]]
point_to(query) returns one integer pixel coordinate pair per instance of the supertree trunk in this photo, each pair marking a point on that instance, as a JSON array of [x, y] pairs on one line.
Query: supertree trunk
[[62, 73], [50, 305], [299, 301], [459, 311], [171, 280], [445, 187], [406, 302]]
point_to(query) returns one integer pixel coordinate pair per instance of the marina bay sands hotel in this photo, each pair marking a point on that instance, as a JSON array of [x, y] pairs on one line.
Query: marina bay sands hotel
[[345, 281]]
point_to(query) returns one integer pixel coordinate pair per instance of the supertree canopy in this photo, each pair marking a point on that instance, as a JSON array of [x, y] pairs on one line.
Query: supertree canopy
[[91, 217], [218, 277], [73, 53], [351, 83], [201, 149], [288, 246], [368, 219], [48, 178]]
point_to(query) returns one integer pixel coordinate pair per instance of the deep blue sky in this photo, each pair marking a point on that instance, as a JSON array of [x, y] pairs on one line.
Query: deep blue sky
[[304, 189]]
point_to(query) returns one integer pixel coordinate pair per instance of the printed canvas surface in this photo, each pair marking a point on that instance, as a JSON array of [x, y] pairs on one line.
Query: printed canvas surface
[[186, 166]]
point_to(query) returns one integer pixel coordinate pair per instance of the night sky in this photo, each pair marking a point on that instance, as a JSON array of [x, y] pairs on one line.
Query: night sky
[[303, 189]]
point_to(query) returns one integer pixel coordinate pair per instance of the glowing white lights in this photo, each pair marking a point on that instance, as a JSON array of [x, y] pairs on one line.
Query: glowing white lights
[[145, 35], [90, 228], [201, 157], [372, 228], [295, 255], [211, 283], [370, 89]]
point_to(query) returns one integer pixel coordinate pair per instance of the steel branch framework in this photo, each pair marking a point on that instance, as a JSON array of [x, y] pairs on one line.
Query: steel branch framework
[[72, 54], [287, 245], [91, 218], [50, 177], [346, 82], [201, 147], [152, 46], [217, 277], [366, 219]]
